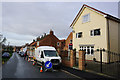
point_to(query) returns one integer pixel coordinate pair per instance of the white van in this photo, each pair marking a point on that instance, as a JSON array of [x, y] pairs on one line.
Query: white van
[[47, 53]]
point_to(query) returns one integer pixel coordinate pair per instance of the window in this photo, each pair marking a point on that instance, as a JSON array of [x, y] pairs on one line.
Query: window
[[38, 43], [50, 53], [86, 18], [88, 49], [76, 35], [79, 34], [42, 56], [58, 43], [92, 33], [95, 32]]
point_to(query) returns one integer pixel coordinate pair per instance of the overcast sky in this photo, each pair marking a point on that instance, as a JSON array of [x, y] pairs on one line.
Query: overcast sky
[[24, 21]]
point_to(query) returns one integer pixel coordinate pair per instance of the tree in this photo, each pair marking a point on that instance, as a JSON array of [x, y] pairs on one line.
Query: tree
[[3, 40], [33, 40]]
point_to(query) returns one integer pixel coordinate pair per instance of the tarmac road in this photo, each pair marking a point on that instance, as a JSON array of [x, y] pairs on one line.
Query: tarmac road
[[17, 67]]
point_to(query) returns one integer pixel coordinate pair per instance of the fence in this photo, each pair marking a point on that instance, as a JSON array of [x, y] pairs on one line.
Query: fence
[[78, 59], [111, 67]]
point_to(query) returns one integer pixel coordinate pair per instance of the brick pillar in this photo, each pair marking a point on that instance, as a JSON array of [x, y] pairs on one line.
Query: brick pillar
[[81, 62], [71, 58]]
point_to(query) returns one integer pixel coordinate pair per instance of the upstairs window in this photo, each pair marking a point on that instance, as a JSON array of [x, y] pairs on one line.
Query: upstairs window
[[95, 32], [79, 34], [86, 18], [76, 35]]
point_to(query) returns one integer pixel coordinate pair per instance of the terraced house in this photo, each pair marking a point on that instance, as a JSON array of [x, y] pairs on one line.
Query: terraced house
[[94, 29]]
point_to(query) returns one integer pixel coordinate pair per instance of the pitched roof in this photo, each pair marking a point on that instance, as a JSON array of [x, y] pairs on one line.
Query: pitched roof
[[71, 34], [33, 43], [48, 40], [98, 11]]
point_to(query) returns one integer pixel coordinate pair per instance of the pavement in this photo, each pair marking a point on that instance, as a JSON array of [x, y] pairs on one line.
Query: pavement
[[18, 68], [86, 75]]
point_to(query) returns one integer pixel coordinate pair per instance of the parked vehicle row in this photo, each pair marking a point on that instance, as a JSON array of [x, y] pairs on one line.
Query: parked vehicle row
[[43, 54], [21, 53]]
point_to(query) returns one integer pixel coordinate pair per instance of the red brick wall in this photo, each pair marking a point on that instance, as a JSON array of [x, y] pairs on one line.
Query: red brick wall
[[66, 63]]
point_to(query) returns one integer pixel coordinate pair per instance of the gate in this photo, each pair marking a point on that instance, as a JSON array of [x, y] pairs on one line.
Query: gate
[[76, 55], [111, 67]]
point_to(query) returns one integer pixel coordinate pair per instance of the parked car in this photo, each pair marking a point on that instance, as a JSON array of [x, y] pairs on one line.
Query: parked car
[[22, 54], [6, 55]]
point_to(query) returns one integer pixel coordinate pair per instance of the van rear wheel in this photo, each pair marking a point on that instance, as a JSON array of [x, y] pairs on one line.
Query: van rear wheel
[[43, 63]]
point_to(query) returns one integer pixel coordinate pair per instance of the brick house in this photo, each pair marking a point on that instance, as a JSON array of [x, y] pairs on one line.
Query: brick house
[[60, 45], [32, 48], [68, 42], [51, 40]]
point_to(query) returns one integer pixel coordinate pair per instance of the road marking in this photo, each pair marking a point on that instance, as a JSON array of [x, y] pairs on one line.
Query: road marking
[[73, 75]]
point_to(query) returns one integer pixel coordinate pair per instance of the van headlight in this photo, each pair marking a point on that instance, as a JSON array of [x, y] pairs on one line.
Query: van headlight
[[60, 60]]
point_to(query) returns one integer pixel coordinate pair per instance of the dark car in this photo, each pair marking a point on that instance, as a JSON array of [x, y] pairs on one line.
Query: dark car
[[22, 54], [6, 55]]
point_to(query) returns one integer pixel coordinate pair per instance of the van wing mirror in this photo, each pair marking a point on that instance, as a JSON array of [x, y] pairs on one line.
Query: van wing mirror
[[42, 56]]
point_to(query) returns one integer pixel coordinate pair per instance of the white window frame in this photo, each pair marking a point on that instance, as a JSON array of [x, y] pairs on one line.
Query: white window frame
[[86, 47], [94, 31], [86, 20], [76, 35]]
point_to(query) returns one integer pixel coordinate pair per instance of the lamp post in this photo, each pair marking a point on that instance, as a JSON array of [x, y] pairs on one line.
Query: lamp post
[[1, 37], [8, 46]]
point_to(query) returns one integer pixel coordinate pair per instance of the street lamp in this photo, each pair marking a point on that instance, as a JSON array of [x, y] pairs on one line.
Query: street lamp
[[1, 37], [8, 46]]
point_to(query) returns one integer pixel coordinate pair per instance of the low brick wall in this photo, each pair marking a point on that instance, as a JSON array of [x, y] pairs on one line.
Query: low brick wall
[[66, 63], [71, 62]]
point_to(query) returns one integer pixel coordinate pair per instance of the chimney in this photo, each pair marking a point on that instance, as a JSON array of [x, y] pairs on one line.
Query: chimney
[[51, 32]]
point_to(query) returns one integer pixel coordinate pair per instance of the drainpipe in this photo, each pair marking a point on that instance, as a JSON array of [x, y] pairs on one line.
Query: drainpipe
[[108, 38]]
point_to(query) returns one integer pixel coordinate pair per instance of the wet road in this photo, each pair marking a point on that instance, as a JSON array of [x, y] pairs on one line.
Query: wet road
[[17, 67]]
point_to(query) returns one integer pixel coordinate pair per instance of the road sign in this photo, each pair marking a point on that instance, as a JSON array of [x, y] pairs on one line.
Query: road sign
[[48, 65]]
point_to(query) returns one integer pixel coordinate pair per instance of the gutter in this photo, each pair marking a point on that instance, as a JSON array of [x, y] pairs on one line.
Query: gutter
[[108, 38]]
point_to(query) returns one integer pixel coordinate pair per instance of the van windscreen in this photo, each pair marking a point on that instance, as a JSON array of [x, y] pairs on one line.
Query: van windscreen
[[50, 53]]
